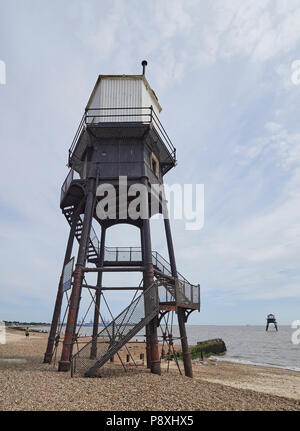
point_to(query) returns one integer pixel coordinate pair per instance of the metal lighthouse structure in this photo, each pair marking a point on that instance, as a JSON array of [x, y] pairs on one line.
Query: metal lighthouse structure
[[120, 154]]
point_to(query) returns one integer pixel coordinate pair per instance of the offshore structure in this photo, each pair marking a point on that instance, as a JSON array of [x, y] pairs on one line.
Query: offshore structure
[[271, 319], [120, 146]]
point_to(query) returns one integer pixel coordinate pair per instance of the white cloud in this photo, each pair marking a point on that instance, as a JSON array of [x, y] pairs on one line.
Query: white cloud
[[284, 71], [272, 127], [278, 144], [255, 29]]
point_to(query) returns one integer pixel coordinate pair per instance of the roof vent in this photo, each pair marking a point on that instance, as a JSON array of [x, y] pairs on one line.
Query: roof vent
[[144, 64]]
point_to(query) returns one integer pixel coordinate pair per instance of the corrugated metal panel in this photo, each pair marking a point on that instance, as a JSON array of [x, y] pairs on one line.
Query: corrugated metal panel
[[120, 93], [94, 105], [148, 100]]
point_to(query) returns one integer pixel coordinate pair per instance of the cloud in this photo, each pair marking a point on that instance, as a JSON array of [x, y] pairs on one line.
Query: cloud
[[258, 30], [278, 144]]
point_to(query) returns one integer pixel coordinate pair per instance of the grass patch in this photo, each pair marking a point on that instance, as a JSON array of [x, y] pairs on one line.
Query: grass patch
[[204, 349]]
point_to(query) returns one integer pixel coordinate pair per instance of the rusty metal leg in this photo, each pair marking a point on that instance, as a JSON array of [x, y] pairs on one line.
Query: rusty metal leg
[[93, 353], [154, 351], [170, 247], [113, 336], [148, 355], [59, 297], [187, 362], [98, 296], [64, 363], [55, 318], [152, 341], [180, 311]]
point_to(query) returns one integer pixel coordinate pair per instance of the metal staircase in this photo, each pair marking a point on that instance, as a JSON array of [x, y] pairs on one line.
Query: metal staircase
[[179, 290], [94, 244], [117, 333], [166, 291]]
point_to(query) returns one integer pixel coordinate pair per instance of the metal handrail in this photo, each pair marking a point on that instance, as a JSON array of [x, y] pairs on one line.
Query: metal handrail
[[155, 255], [66, 184], [164, 266], [153, 119]]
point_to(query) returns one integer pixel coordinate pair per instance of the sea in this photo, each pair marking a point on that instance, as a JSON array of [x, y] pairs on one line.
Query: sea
[[249, 344]]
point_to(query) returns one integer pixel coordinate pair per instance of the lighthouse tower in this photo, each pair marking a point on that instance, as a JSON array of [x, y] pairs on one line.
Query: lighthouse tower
[[118, 160]]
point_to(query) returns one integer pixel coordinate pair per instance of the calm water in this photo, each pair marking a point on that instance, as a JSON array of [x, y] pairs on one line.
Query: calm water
[[245, 344], [252, 344]]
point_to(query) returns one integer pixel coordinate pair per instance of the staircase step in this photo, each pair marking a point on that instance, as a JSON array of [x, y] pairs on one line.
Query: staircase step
[[118, 332], [117, 346]]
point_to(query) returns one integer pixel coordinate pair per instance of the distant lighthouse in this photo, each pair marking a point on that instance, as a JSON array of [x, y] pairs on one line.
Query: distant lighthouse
[[271, 319]]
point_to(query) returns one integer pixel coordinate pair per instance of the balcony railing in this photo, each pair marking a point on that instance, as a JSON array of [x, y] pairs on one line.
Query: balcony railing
[[132, 117], [123, 254], [185, 292]]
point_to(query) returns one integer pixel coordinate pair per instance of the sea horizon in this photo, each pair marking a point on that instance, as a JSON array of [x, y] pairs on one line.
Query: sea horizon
[[249, 344]]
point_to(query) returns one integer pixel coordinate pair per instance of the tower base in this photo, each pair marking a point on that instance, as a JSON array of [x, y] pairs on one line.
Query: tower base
[[64, 366]]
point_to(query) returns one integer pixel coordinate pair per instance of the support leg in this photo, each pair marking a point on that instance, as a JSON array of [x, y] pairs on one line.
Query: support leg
[[59, 297], [187, 362], [148, 279], [98, 296], [64, 363], [148, 354]]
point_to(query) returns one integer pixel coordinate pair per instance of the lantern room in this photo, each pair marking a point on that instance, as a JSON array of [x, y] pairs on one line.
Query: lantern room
[[121, 121]]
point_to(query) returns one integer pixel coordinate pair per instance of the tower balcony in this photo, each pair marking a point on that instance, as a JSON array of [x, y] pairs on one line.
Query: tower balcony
[[133, 122]]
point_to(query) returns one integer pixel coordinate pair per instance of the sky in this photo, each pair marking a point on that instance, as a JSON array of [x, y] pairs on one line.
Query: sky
[[226, 75]]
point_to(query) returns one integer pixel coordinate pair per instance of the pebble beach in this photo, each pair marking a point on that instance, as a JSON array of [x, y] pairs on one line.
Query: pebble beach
[[29, 385]]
